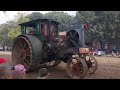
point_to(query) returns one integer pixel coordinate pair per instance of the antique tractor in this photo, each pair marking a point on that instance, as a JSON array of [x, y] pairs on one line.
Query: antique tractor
[[40, 43]]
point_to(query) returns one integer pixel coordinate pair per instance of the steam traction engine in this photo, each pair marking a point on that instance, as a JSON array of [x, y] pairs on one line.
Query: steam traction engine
[[40, 43]]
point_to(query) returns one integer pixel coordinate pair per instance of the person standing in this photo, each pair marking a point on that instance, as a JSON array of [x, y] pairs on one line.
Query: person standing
[[5, 48], [106, 48], [43, 73], [114, 49], [19, 72], [5, 69]]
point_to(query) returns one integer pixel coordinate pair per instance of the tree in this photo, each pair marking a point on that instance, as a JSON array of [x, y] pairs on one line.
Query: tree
[[21, 17], [84, 17], [35, 15], [108, 25], [15, 30], [3, 34], [64, 18], [104, 25]]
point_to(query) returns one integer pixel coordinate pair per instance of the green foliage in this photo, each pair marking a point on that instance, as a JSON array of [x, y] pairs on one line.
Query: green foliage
[[85, 16], [10, 30], [3, 34], [13, 32], [64, 18], [21, 17], [35, 15], [104, 25]]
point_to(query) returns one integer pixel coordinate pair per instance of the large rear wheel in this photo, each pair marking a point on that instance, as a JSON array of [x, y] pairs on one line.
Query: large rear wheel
[[23, 52]]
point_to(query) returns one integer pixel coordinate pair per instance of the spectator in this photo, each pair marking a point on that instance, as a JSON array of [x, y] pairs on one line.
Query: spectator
[[94, 51], [114, 49], [5, 70], [19, 72], [43, 73], [6, 48], [106, 48]]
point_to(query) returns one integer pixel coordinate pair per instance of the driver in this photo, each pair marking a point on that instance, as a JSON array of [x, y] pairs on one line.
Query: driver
[[53, 33], [31, 30]]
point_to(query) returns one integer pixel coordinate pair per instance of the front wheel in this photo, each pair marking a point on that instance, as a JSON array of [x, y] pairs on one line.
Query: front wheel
[[92, 64], [76, 68]]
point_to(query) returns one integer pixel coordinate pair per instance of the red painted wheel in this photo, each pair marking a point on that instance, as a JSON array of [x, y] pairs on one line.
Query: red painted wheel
[[76, 68], [92, 64]]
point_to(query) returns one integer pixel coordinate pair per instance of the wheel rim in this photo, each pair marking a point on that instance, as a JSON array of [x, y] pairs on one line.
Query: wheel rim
[[22, 52], [76, 68], [92, 64]]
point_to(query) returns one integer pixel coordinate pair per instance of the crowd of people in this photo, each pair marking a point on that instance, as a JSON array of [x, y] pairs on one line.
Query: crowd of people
[[110, 51], [18, 71], [3, 47]]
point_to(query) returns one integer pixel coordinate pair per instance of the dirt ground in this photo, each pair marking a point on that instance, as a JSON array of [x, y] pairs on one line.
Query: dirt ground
[[108, 68]]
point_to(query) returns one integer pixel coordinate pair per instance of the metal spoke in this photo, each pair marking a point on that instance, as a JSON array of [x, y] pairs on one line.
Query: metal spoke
[[89, 70], [17, 56], [71, 35], [15, 47], [76, 39], [26, 61], [90, 59], [93, 68], [74, 33], [28, 55], [73, 43], [17, 51], [24, 45], [20, 44], [27, 51]]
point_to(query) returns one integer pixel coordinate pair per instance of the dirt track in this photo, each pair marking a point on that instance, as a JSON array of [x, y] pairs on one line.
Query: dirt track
[[109, 68]]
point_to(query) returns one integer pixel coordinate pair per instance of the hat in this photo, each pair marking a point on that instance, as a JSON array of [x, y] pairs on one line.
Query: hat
[[19, 67], [2, 60]]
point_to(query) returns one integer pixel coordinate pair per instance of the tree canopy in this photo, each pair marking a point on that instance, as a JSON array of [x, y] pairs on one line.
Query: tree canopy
[[104, 25]]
